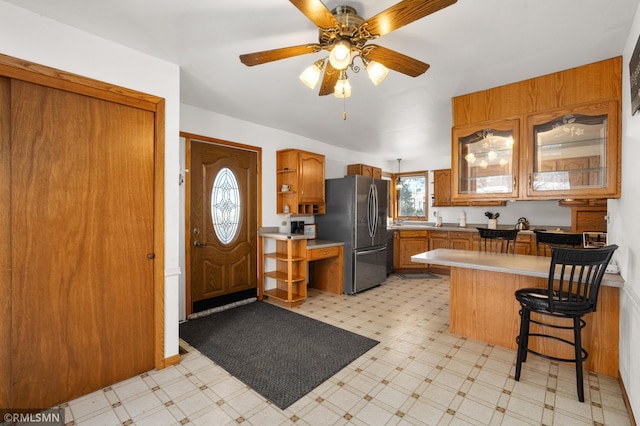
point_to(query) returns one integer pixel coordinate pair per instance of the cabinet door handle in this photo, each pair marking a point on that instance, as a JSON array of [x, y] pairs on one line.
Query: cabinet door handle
[[530, 181]]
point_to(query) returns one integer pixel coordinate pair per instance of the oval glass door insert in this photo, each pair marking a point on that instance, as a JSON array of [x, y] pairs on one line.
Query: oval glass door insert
[[225, 206]]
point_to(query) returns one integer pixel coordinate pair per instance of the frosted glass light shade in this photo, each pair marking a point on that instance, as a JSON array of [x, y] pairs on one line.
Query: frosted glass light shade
[[311, 75], [342, 88], [340, 56], [377, 72]]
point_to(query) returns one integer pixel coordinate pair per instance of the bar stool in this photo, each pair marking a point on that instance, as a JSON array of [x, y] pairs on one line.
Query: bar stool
[[572, 295], [497, 240], [545, 240]]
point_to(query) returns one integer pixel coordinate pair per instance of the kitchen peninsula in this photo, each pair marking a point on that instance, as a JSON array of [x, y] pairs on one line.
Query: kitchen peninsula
[[483, 305]]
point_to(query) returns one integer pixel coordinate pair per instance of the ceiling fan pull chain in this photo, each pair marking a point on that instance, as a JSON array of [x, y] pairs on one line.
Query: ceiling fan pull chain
[[344, 108]]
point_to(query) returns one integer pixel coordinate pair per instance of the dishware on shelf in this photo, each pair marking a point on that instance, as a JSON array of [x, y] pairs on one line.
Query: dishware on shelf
[[285, 208], [285, 188]]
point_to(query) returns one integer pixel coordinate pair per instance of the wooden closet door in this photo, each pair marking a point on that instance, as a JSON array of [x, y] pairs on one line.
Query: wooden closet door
[[82, 185], [5, 232]]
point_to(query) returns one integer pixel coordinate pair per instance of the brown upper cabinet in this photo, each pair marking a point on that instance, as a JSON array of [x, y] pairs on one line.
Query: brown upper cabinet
[[573, 152], [549, 138], [485, 161], [364, 170], [442, 188], [300, 182]]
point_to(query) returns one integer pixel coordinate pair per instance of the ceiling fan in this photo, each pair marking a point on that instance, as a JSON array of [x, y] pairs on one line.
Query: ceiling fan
[[344, 34]]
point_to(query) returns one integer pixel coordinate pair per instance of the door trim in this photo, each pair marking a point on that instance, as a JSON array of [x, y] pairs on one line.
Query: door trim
[[189, 137], [50, 77]]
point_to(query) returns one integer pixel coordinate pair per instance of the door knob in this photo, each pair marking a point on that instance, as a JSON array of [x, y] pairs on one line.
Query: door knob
[[197, 243]]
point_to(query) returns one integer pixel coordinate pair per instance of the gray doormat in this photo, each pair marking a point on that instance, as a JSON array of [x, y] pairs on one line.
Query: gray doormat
[[280, 354], [417, 276]]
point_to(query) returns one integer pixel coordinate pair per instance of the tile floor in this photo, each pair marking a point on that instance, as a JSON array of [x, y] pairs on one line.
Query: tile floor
[[419, 374]]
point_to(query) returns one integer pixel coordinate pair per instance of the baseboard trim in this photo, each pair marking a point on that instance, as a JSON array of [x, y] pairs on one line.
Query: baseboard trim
[[625, 397], [172, 360]]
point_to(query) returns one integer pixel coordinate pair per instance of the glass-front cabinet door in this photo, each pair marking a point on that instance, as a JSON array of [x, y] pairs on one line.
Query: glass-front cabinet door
[[485, 165], [573, 153]]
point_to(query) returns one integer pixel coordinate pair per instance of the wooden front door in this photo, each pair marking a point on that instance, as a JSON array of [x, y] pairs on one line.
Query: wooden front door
[[81, 243], [223, 221]]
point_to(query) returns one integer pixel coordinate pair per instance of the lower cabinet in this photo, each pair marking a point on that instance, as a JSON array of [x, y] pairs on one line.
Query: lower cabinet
[[460, 240], [406, 244], [525, 243], [438, 239], [410, 242], [588, 219]]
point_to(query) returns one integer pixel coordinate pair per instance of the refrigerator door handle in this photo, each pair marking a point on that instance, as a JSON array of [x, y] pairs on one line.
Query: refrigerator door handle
[[364, 252], [372, 210]]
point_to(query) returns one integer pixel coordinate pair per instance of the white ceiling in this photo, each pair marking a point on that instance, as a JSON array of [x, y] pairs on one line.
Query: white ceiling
[[471, 45]]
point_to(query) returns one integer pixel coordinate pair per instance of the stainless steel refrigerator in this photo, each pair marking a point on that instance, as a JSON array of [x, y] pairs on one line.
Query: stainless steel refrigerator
[[356, 213]]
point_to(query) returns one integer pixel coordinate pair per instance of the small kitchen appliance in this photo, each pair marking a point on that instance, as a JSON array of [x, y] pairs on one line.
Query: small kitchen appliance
[[522, 224]]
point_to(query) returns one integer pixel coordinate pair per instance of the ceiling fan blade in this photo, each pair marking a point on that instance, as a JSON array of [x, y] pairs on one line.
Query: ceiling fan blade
[[397, 61], [257, 58], [317, 13], [329, 80], [404, 13]]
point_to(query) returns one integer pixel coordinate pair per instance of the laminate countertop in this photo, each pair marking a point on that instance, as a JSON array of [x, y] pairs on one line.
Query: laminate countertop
[[320, 244], [311, 244], [521, 264], [471, 227]]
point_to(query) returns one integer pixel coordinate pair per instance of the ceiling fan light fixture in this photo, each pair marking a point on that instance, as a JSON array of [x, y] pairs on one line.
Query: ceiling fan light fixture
[[311, 75], [343, 87], [340, 56], [377, 72]]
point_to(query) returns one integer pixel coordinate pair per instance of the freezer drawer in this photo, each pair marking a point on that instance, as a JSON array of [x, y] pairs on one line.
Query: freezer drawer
[[369, 268]]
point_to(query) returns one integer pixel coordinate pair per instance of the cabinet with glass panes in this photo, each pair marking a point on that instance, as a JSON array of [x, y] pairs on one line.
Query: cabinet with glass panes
[[485, 162], [573, 152]]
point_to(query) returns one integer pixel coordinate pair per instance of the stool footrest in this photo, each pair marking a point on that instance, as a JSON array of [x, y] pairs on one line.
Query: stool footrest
[[585, 354]]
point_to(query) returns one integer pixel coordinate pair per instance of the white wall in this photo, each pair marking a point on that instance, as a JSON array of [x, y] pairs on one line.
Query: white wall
[[624, 230], [206, 123], [28, 36]]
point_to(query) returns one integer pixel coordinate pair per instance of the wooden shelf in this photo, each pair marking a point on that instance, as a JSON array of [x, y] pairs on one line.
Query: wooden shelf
[[287, 281], [284, 296], [283, 276], [283, 257]]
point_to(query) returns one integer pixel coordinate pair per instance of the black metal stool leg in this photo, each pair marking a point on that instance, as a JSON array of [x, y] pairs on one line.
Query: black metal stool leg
[[577, 333], [523, 340]]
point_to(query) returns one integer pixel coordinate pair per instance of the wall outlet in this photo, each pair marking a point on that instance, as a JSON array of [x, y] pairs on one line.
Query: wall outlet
[[283, 223], [612, 268]]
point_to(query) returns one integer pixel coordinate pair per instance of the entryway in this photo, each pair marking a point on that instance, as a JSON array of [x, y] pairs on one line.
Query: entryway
[[221, 223]]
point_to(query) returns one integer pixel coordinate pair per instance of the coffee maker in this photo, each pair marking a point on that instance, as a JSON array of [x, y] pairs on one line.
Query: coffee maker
[[297, 226]]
